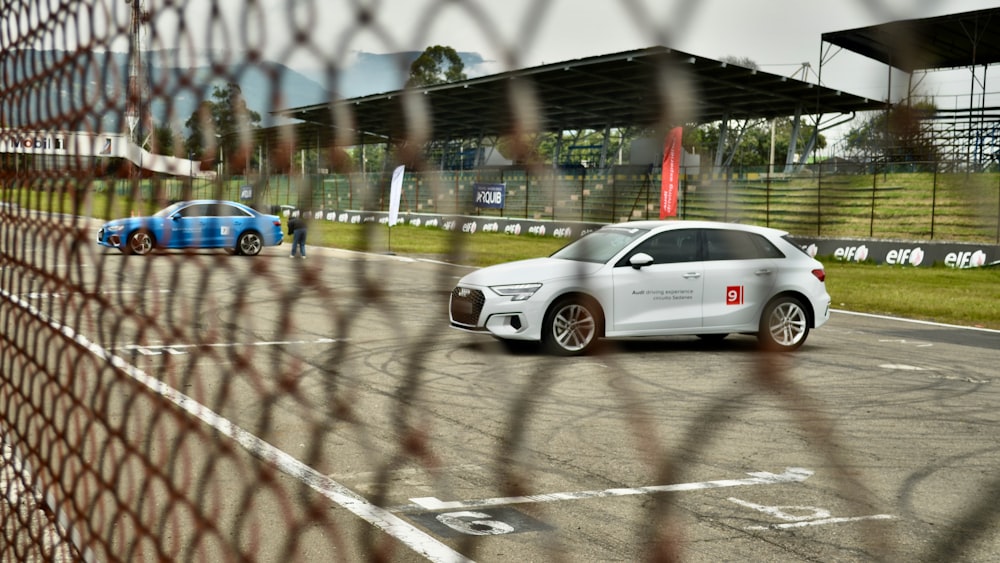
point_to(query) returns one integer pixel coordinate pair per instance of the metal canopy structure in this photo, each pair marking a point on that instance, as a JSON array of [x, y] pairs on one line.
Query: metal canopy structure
[[951, 41], [965, 40], [647, 87]]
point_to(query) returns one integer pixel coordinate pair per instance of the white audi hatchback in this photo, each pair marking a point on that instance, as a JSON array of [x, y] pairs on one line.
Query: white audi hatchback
[[651, 278]]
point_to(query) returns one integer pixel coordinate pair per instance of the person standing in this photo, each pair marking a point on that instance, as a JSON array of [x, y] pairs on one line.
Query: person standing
[[298, 229]]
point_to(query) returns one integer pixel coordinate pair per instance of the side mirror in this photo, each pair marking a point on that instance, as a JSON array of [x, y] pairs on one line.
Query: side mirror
[[640, 260]]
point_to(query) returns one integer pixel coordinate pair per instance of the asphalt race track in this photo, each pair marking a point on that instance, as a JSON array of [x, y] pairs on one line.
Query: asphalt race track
[[877, 440]]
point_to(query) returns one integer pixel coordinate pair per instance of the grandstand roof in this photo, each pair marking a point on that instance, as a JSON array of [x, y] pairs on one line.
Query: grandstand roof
[[632, 88], [956, 40]]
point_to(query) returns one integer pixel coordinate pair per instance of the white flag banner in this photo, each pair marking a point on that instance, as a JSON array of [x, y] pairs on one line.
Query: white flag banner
[[395, 192]]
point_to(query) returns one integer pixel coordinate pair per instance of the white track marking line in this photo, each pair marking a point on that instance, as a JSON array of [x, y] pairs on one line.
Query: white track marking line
[[393, 525], [915, 321], [159, 349], [43, 295], [791, 475]]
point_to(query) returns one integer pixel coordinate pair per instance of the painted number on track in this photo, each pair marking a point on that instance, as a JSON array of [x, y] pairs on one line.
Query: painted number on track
[[802, 516], [496, 521], [474, 523]]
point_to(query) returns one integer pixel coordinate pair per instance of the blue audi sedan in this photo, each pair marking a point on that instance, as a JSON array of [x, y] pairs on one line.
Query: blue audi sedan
[[195, 224]]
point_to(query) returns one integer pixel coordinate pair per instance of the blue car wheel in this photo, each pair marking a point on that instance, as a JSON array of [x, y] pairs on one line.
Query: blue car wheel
[[250, 244], [139, 243]]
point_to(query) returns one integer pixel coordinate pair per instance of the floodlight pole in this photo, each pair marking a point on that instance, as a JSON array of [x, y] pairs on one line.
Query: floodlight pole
[[133, 105]]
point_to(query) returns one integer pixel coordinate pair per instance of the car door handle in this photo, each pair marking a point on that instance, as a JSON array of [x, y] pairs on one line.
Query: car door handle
[[763, 272], [692, 275]]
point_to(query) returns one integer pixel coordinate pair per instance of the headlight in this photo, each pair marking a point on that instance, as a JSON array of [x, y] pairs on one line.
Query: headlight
[[518, 292], [115, 228]]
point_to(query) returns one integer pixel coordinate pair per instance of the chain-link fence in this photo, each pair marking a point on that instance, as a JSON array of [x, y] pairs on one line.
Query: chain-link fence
[[198, 406], [877, 202]]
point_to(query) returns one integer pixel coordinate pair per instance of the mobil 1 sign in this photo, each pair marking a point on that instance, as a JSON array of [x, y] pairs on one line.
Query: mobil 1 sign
[[490, 195]]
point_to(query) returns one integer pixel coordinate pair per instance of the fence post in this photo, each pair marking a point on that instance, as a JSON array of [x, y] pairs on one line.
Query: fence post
[[614, 195], [725, 200], [767, 197], [554, 181], [819, 200], [649, 190], [504, 184], [527, 190], [871, 220], [934, 185], [683, 194]]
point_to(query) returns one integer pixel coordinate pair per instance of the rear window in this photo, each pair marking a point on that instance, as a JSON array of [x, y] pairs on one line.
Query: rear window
[[794, 245], [724, 244]]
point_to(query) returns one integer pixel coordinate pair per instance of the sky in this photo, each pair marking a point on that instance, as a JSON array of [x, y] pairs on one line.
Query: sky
[[779, 35]]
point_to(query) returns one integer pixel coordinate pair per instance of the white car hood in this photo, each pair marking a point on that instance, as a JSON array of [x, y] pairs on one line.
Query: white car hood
[[535, 270]]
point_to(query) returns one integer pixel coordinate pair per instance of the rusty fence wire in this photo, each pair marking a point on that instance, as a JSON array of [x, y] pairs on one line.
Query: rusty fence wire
[[197, 406]]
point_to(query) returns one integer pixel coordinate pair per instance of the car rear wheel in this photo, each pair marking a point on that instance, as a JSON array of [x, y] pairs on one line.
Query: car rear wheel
[[784, 325], [139, 243], [249, 244], [572, 327]]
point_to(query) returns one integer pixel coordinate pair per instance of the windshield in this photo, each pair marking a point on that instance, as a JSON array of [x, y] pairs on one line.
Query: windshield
[[599, 246]]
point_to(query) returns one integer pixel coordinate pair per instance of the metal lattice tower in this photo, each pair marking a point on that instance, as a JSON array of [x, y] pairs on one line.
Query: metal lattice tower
[[137, 115]]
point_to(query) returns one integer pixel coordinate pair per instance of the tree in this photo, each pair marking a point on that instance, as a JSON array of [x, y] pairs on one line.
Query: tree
[[436, 65], [163, 140], [744, 62], [369, 158], [748, 143], [218, 126], [897, 135]]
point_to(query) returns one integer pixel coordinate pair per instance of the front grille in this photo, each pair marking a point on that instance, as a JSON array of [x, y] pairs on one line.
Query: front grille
[[466, 304]]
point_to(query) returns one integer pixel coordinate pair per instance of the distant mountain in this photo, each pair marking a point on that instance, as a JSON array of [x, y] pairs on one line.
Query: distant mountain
[[85, 91], [49, 89], [373, 73]]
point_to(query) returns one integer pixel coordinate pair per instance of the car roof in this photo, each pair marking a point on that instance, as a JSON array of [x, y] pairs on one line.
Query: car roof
[[669, 224], [188, 203], [211, 201]]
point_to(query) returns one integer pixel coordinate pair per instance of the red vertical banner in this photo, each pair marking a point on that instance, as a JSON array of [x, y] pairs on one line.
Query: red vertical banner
[[670, 176]]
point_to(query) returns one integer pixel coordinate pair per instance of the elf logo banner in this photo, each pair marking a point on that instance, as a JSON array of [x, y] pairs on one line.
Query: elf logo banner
[[734, 295], [903, 256], [851, 253], [965, 259]]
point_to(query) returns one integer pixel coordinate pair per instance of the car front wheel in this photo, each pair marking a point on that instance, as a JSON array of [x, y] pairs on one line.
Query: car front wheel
[[784, 325], [249, 244], [572, 327], [139, 243]]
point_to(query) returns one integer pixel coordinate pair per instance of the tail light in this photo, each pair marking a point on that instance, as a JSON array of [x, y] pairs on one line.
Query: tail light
[[820, 274]]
